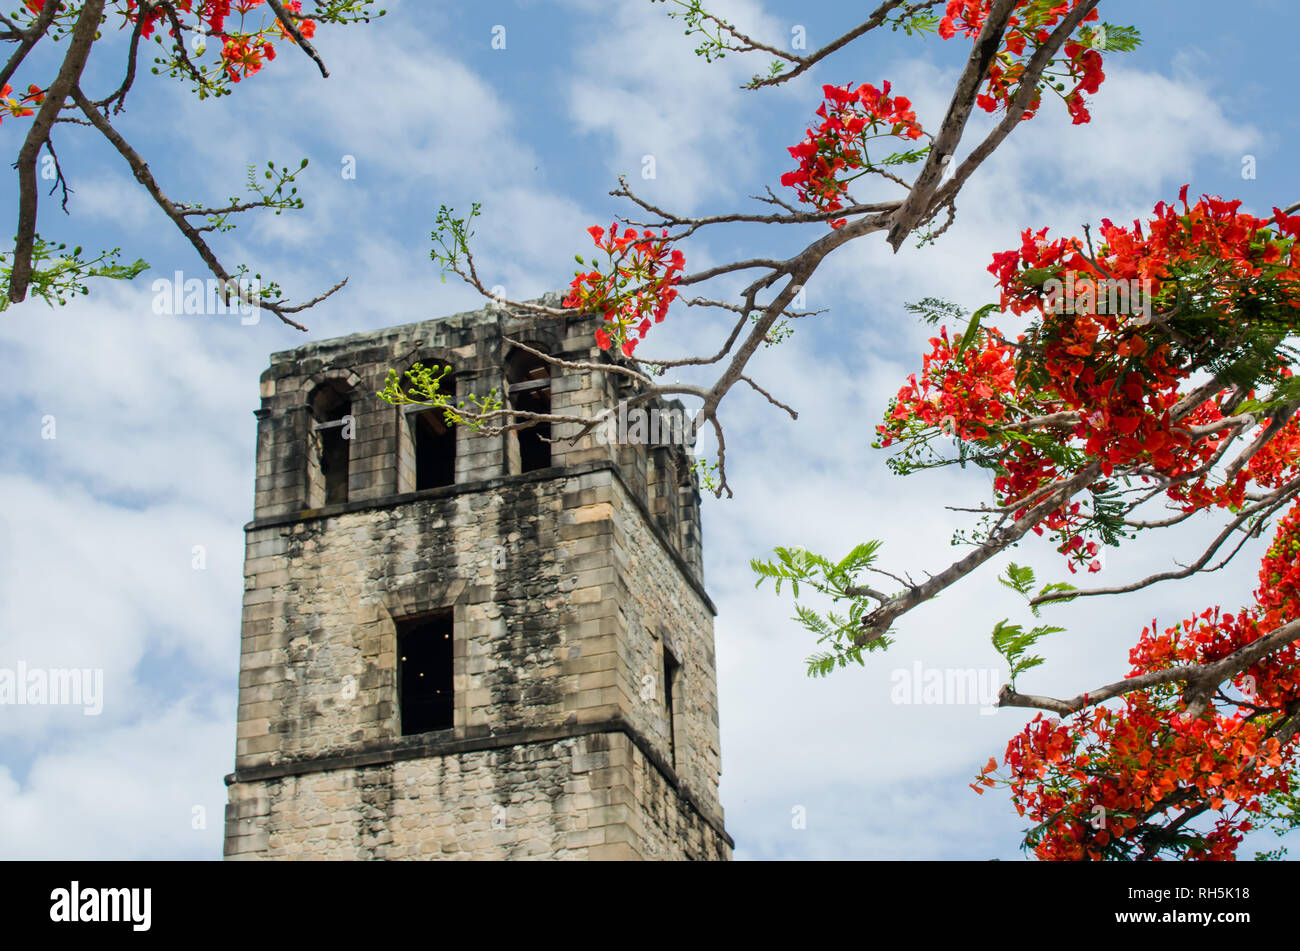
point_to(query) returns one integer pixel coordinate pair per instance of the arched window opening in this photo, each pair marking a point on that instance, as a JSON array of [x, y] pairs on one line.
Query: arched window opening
[[528, 379], [433, 441], [331, 433]]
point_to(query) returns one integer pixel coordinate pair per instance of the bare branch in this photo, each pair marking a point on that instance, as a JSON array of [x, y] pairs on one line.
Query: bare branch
[[287, 21], [1201, 679], [1260, 510], [693, 224], [879, 621], [146, 8], [145, 178], [1016, 108], [30, 37], [812, 59], [575, 365], [770, 398], [83, 37], [917, 204]]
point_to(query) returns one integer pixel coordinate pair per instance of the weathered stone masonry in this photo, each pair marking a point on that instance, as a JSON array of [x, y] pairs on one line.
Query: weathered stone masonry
[[567, 588]]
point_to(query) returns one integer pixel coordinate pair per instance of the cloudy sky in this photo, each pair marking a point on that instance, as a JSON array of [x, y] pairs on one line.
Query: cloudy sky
[[154, 432]]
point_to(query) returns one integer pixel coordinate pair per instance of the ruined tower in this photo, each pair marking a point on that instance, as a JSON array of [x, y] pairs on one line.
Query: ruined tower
[[457, 646]]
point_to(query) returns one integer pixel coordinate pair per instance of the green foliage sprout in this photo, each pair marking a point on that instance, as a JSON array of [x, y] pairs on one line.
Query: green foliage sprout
[[839, 581], [423, 388]]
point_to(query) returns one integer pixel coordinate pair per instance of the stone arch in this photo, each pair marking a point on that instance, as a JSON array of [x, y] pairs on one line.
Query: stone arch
[[330, 431], [426, 447], [547, 337]]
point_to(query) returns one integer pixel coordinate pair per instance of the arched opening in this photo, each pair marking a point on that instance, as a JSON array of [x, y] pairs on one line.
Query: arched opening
[[433, 441], [327, 456], [528, 379]]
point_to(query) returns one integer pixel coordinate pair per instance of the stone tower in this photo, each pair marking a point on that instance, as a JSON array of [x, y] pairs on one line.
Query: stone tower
[[457, 646]]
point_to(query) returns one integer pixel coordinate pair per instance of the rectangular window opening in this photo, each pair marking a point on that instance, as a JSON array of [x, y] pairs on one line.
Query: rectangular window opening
[[534, 449], [424, 674], [435, 450], [670, 681], [334, 464]]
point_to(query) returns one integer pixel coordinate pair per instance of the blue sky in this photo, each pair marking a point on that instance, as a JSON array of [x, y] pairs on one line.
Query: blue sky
[[154, 447]]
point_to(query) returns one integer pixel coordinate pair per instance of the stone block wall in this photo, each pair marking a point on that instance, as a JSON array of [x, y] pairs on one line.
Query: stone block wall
[[588, 797]]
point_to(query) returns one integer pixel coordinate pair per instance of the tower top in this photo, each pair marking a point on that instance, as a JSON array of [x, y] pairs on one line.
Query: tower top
[[315, 395]]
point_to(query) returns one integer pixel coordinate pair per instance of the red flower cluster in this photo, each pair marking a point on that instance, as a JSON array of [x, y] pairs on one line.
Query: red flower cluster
[[1092, 783], [838, 147], [1025, 33], [636, 288], [1279, 578], [23, 105], [1103, 383], [243, 58], [1145, 761], [1116, 374], [966, 388], [243, 52]]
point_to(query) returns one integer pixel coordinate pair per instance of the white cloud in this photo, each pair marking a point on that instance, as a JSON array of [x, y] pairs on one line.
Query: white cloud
[[139, 791], [641, 92]]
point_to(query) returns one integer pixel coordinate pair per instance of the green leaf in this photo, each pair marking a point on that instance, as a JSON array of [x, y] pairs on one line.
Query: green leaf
[[1012, 641], [933, 310], [973, 328], [839, 632], [1018, 578], [1036, 276]]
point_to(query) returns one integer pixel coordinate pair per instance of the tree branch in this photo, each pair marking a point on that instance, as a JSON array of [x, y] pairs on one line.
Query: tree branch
[[83, 37]]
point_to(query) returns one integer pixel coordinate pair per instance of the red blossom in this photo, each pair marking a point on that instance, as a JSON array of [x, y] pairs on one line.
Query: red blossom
[[1081, 69], [635, 289], [837, 148], [1110, 382]]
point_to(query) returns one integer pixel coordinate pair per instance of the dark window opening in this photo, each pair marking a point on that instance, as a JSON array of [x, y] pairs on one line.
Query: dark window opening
[[529, 379], [435, 450], [334, 464], [534, 450], [670, 680], [332, 428], [434, 441], [424, 674]]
